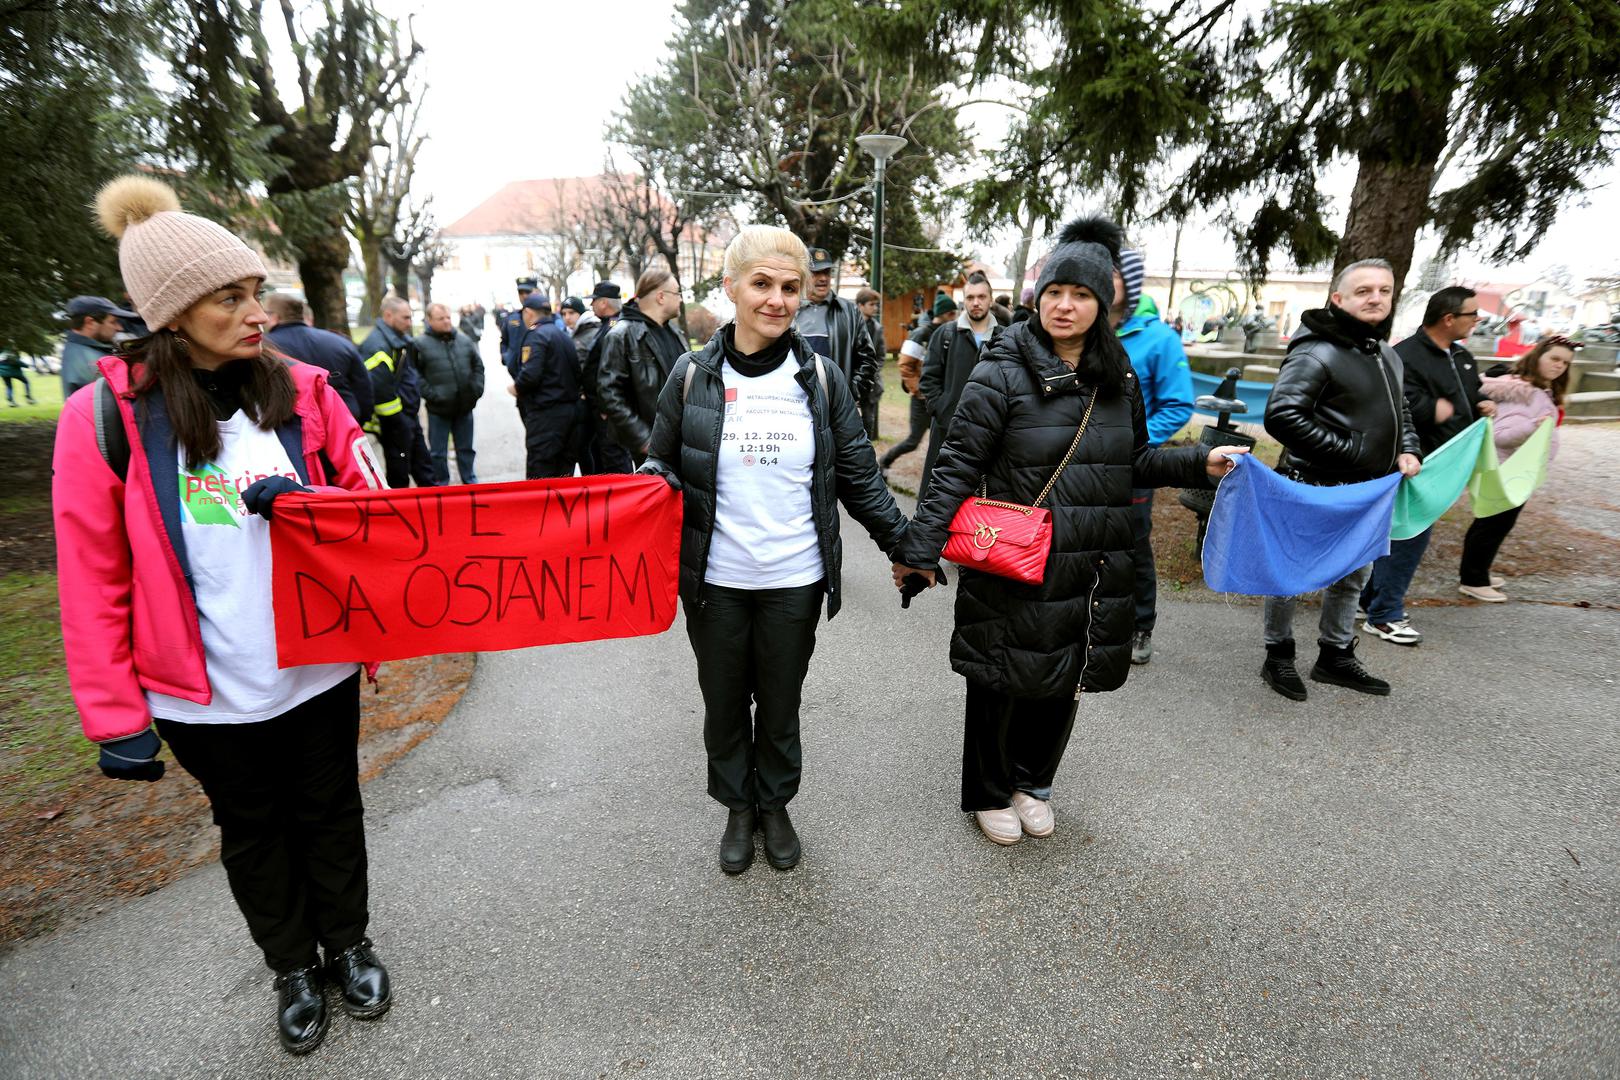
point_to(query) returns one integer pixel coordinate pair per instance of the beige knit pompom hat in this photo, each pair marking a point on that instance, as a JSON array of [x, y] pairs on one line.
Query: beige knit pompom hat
[[170, 259]]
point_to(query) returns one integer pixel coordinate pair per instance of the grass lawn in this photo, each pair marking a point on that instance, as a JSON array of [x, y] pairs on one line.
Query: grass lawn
[[41, 747], [47, 392]]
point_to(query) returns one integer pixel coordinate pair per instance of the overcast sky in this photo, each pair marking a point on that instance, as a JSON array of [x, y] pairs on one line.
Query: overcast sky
[[524, 91]]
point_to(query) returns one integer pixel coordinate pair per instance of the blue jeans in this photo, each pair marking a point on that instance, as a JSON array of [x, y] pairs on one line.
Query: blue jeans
[[440, 430], [1384, 598]]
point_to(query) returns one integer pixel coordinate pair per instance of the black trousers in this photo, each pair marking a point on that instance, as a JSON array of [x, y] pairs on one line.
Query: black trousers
[[421, 459], [394, 432], [913, 439], [550, 439], [1147, 577], [601, 454], [753, 649], [286, 798], [1481, 543], [1011, 744]]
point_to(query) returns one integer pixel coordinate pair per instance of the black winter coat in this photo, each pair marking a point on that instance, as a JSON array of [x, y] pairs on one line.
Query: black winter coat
[[1339, 410], [686, 445], [637, 356], [1015, 421], [1432, 373], [452, 373], [345, 370]]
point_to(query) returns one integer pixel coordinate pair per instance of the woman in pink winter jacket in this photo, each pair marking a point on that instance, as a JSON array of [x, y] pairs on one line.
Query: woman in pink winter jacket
[[1526, 396], [166, 472]]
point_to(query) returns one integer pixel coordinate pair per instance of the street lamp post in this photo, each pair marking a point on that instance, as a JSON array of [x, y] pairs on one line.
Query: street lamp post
[[882, 148]]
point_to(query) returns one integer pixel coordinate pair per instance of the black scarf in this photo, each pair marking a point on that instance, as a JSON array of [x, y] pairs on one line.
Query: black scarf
[[1344, 329], [753, 365], [224, 385]]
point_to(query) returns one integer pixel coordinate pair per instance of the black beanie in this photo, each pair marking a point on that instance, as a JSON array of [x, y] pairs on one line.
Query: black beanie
[[1086, 254]]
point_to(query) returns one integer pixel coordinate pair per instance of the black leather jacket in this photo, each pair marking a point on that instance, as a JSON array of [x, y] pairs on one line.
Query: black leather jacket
[[686, 445], [637, 355], [851, 346], [1339, 410]]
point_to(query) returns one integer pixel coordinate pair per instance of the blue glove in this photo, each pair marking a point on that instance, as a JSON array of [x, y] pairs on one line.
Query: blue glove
[[133, 757], [261, 494]]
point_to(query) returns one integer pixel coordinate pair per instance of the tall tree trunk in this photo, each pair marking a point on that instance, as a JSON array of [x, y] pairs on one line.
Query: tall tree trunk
[[424, 281], [1387, 208], [321, 262], [1175, 269], [399, 274], [371, 262], [1020, 259]]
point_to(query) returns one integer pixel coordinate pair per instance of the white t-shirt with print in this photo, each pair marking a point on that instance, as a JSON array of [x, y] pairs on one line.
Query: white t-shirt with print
[[764, 523], [229, 552]]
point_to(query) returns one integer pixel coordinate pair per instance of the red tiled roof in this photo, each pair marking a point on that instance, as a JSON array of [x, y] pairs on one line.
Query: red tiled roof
[[524, 207]]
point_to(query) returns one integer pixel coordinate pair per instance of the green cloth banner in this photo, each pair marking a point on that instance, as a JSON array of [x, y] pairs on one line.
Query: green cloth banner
[[1496, 488], [1421, 499]]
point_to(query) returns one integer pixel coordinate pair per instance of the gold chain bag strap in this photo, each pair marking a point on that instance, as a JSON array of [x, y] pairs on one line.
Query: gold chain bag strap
[[1008, 539]]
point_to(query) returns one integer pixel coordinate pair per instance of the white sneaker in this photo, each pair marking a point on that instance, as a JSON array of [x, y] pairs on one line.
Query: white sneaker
[[1483, 592], [1035, 815], [1002, 825], [1399, 631]]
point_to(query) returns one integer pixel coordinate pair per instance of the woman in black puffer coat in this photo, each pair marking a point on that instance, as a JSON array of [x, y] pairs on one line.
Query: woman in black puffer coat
[[1027, 649]]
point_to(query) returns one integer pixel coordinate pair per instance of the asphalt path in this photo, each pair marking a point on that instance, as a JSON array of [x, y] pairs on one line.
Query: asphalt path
[[1422, 885]]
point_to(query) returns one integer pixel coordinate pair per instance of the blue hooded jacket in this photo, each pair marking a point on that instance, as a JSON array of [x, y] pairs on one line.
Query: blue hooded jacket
[[1161, 370]]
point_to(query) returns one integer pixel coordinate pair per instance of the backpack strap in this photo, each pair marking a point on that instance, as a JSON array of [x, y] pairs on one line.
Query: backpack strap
[[111, 437]]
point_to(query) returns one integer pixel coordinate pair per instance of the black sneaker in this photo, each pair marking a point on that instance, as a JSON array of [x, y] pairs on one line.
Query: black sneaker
[[1338, 665], [1279, 672], [1141, 646]]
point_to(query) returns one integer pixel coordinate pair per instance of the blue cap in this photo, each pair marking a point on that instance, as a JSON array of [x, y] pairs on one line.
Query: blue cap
[[538, 301]]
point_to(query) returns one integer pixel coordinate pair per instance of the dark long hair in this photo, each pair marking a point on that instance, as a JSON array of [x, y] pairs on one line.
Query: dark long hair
[[162, 365], [1528, 367]]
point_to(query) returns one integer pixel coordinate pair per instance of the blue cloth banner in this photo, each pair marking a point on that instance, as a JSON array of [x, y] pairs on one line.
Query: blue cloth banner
[[1271, 536], [1252, 394]]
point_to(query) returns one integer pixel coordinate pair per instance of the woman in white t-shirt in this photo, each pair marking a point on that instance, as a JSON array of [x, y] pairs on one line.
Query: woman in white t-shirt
[[766, 440], [165, 473]]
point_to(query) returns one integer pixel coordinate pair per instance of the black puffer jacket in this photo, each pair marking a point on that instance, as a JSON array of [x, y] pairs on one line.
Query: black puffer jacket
[[452, 372], [686, 445], [1015, 421], [1338, 406]]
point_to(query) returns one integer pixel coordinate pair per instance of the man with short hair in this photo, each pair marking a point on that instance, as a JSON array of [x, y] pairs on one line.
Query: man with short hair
[[637, 356], [912, 355], [870, 305], [452, 382], [546, 386], [1339, 412], [952, 355], [388, 346], [289, 331], [93, 326], [1443, 392], [834, 327], [1165, 381], [602, 453]]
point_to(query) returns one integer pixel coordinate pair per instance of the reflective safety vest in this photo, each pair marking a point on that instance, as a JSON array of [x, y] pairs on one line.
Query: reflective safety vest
[[381, 367]]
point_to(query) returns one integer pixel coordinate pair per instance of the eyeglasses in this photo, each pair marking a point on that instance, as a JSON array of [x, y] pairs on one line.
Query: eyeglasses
[[1467, 314]]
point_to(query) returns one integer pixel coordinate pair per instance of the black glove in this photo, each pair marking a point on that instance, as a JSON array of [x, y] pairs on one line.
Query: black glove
[[261, 494], [916, 583], [133, 757], [669, 478]]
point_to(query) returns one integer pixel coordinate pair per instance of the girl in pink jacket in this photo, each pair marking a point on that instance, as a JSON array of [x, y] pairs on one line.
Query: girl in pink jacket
[[166, 472], [1526, 396]]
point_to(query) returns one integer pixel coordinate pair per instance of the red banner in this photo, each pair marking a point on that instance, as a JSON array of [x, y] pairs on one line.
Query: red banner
[[382, 575]]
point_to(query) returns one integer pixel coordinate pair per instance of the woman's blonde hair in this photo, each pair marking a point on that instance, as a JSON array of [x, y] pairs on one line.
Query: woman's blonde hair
[[756, 243]]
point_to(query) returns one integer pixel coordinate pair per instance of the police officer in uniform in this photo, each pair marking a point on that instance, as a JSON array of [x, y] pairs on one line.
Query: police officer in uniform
[[512, 325], [546, 385]]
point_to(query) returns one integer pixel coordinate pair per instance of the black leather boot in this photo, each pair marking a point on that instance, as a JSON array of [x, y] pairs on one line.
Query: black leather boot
[[1279, 672], [737, 843], [363, 980], [301, 1018], [1338, 665], [781, 842]]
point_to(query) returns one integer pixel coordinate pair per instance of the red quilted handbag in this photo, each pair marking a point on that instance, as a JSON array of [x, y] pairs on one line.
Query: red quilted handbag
[[1007, 539]]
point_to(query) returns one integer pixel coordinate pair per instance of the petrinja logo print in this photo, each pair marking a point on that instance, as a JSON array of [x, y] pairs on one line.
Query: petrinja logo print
[[209, 497]]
